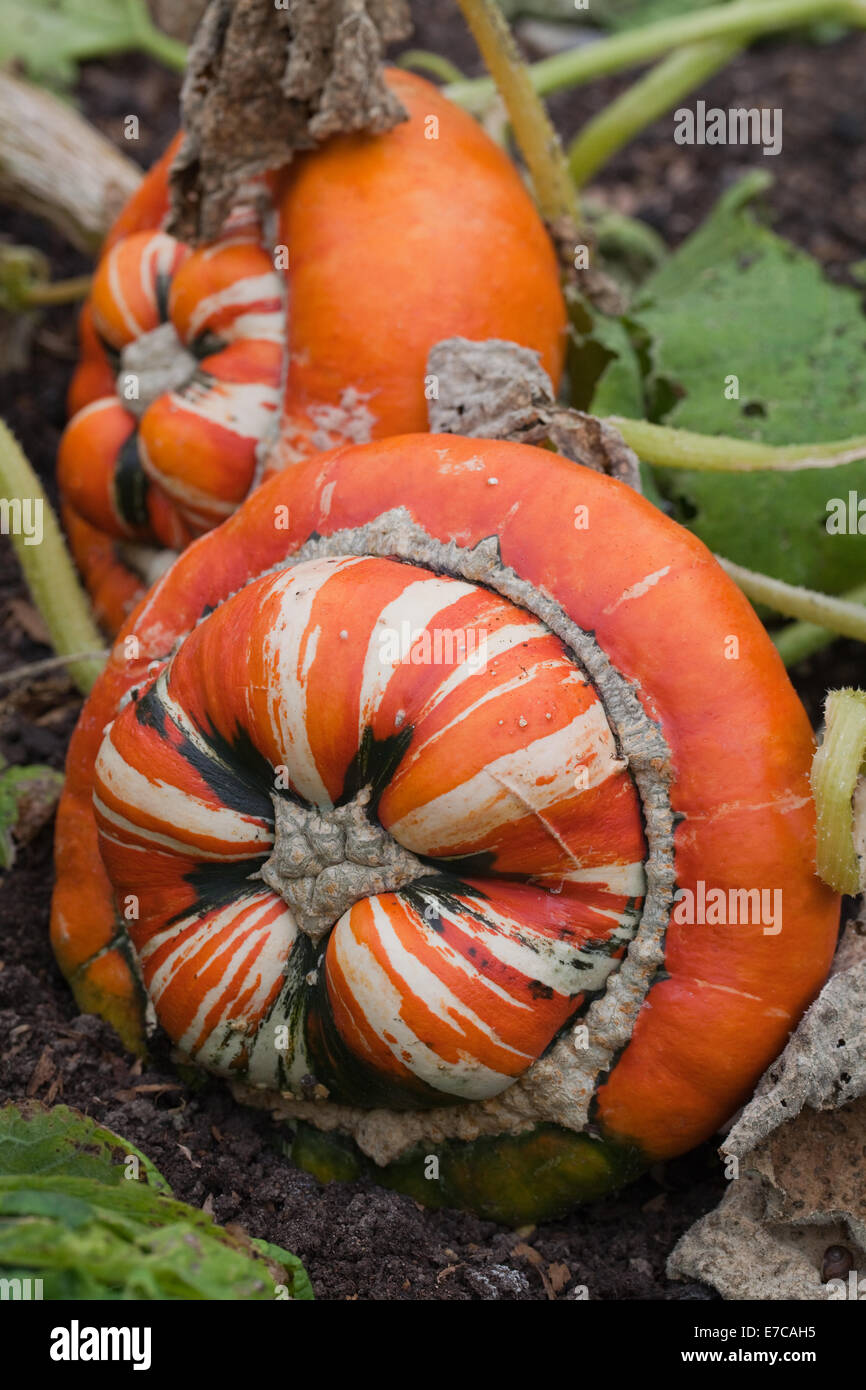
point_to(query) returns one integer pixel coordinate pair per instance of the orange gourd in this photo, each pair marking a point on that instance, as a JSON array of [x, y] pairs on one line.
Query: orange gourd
[[393, 243], [450, 795]]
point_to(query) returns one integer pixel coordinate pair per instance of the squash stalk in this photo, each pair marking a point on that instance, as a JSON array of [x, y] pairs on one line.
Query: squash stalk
[[839, 615], [835, 769], [48, 568], [650, 97], [539, 143], [799, 640], [744, 20], [664, 447]]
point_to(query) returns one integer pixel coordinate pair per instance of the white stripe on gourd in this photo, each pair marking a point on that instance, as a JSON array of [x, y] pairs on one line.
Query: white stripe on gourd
[[283, 651], [418, 605], [192, 819], [251, 290], [532, 779], [380, 1003]]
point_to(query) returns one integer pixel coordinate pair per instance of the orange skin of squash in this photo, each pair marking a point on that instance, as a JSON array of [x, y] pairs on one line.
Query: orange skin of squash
[[395, 242], [741, 745]]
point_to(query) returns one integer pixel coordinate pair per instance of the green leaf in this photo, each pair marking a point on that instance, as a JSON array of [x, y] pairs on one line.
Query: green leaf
[[28, 796], [38, 1142], [77, 1215], [300, 1286], [628, 249], [738, 301], [51, 38], [620, 391], [72, 1211]]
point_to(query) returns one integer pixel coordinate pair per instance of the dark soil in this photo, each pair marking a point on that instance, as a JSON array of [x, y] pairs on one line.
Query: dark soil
[[359, 1241]]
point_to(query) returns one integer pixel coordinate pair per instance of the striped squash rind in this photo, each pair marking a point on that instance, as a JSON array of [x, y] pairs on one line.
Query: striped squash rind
[[394, 242], [190, 458], [678, 1038], [520, 890]]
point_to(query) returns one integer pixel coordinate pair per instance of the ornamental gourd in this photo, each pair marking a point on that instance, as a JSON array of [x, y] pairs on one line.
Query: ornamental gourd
[[195, 364], [403, 800]]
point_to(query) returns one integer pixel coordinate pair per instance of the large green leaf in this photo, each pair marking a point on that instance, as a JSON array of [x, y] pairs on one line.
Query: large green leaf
[[738, 301], [89, 1215], [37, 1142]]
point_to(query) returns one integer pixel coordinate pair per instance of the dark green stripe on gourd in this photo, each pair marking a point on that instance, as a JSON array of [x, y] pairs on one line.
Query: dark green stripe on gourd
[[131, 484], [515, 1179]]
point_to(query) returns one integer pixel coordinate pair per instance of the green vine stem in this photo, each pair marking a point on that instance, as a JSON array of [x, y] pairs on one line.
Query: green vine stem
[[799, 640], [837, 615], [48, 568], [744, 20], [146, 37], [138, 35], [665, 447], [422, 60], [650, 97], [539, 143], [835, 769], [24, 282], [171, 52], [46, 295]]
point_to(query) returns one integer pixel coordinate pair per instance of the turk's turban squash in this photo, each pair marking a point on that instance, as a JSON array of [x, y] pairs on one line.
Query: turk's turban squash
[[201, 368], [413, 784]]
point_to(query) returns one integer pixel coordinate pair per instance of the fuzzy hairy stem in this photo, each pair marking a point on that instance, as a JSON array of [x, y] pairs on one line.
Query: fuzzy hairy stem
[[799, 640], [744, 20], [835, 769], [643, 103], [835, 614], [538, 141], [52, 292], [165, 49], [48, 568], [420, 60], [665, 447]]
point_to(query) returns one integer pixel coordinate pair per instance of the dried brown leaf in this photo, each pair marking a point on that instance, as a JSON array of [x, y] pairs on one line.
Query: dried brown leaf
[[264, 83], [798, 1158], [498, 390]]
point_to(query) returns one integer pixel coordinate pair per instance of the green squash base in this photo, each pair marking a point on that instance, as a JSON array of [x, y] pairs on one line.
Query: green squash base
[[515, 1179]]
